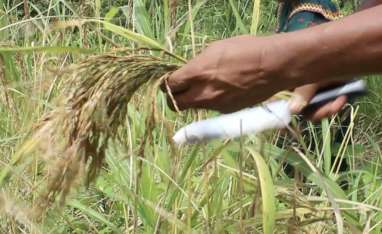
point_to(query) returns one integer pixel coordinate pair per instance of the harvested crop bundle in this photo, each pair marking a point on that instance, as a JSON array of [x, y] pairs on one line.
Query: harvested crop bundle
[[73, 137]]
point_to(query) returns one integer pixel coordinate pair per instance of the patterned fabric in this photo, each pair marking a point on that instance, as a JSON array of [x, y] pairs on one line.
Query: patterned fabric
[[298, 14]]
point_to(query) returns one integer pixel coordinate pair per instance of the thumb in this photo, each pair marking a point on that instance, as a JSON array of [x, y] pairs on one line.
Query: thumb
[[302, 96], [176, 83]]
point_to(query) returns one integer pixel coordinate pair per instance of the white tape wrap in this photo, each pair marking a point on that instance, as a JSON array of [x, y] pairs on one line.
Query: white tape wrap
[[244, 122]]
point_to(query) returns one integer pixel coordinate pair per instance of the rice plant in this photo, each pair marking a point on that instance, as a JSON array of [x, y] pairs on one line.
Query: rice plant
[[76, 127], [92, 107]]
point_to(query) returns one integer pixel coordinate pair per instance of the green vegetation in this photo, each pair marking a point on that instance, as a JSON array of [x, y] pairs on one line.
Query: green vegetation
[[146, 184]]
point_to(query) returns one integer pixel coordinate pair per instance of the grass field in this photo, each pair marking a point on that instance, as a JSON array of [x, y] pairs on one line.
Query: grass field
[[311, 180]]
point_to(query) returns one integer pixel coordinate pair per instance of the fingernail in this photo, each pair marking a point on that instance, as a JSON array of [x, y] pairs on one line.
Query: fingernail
[[297, 103]]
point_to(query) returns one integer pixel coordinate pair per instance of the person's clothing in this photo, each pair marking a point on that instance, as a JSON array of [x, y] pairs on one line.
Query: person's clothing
[[299, 14], [294, 15]]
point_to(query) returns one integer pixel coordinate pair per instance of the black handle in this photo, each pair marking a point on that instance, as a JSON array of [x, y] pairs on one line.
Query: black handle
[[351, 89]]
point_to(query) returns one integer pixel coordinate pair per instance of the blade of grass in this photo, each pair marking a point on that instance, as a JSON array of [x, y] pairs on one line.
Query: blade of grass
[[195, 11], [111, 14], [239, 22], [326, 147], [3, 23], [142, 20], [191, 21], [9, 66], [54, 49], [128, 34], [136, 37], [255, 16], [267, 192], [326, 188], [91, 212], [166, 16], [306, 169]]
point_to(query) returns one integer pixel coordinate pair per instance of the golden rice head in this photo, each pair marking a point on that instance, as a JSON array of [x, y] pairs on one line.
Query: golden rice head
[[74, 136]]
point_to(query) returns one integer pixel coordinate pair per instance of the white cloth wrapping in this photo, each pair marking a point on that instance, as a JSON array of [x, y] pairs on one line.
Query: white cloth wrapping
[[248, 121]]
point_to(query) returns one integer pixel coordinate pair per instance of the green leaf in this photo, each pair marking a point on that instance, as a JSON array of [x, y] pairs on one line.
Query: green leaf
[[90, 212], [10, 67], [97, 8], [255, 16], [327, 149], [239, 22], [322, 181], [3, 23], [166, 16], [267, 192], [187, 27], [111, 14], [54, 49], [142, 19], [130, 35]]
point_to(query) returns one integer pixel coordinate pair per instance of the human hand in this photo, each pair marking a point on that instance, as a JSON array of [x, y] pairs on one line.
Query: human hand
[[229, 75], [240, 72], [302, 96]]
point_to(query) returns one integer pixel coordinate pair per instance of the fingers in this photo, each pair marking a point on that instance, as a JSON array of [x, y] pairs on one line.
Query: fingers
[[302, 96], [328, 109], [176, 83], [181, 87], [174, 86], [181, 101], [191, 97]]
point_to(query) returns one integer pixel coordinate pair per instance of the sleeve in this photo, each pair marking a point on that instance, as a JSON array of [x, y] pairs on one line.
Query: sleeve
[[296, 15]]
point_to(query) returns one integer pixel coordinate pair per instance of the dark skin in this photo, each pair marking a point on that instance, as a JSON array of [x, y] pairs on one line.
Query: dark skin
[[304, 93], [242, 71]]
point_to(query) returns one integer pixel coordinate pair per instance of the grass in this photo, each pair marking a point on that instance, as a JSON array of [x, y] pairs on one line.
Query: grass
[[145, 184]]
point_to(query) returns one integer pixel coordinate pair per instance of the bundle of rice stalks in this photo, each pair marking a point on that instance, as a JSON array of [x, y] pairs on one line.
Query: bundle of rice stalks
[[74, 136]]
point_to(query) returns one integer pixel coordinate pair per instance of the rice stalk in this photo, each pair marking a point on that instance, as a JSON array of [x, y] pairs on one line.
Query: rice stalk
[[74, 136], [9, 208], [173, 9]]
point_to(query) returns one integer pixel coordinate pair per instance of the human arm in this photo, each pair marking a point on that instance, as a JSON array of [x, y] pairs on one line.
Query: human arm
[[366, 4], [243, 71], [303, 94], [342, 49]]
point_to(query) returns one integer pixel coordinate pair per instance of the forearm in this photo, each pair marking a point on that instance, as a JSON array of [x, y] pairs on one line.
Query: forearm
[[337, 50], [239, 72]]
